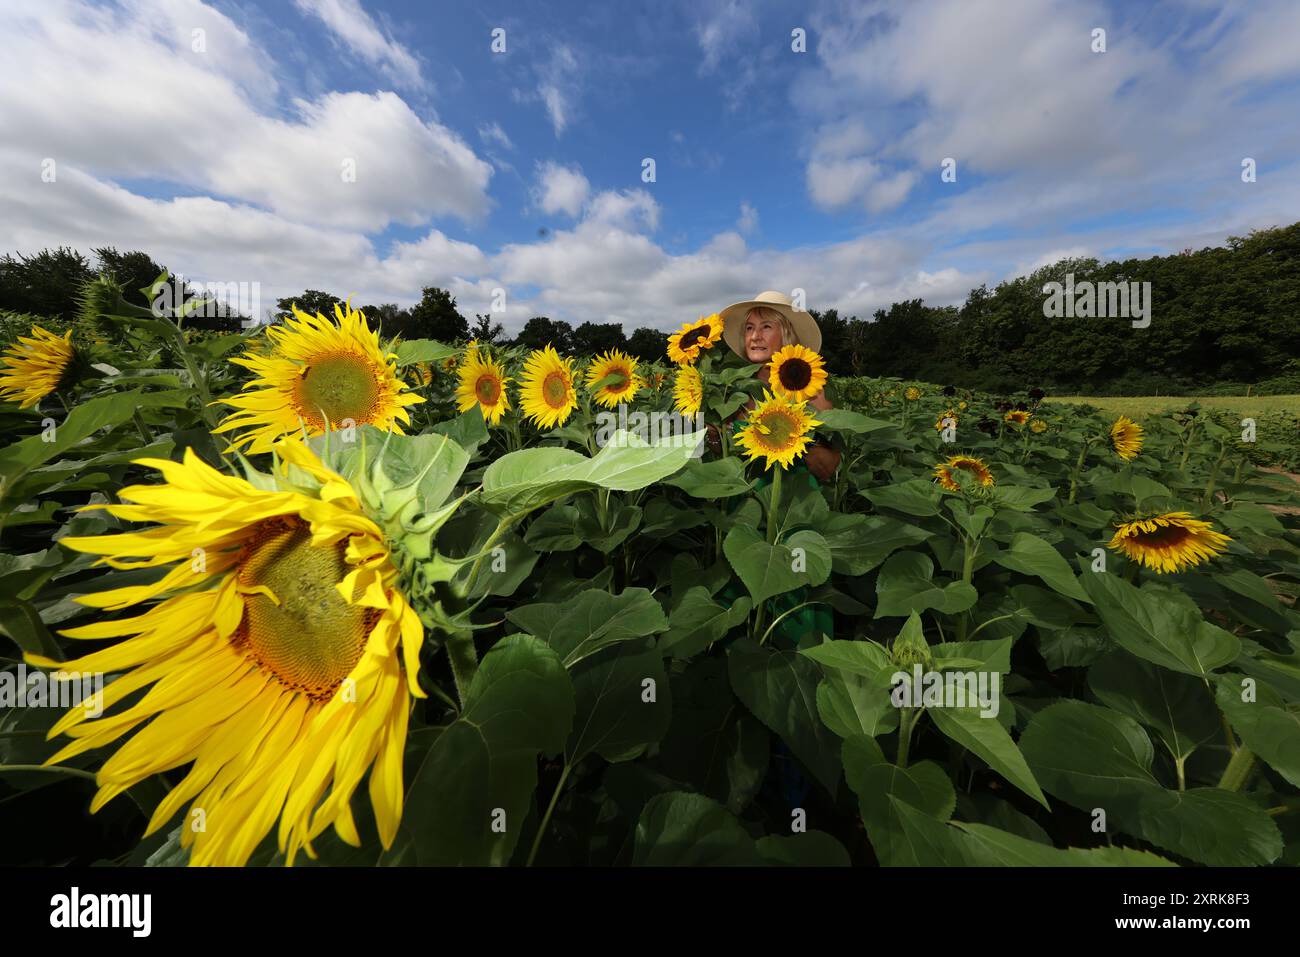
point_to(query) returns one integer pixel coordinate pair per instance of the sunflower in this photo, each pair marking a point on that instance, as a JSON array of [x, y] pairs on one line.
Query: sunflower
[[546, 389], [320, 374], [685, 344], [1038, 426], [778, 429], [911, 394], [1126, 438], [943, 422], [688, 390], [275, 659], [36, 367], [946, 472], [796, 373], [1169, 542], [1017, 417], [961, 406], [623, 387], [422, 373], [482, 382]]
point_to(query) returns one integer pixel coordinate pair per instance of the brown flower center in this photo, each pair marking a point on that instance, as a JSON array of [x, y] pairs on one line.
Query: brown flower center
[[794, 374], [342, 386], [488, 389], [555, 390], [780, 427], [692, 338], [1165, 536], [308, 637]]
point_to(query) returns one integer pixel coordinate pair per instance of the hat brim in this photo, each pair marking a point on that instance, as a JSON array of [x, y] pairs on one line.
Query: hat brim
[[733, 322]]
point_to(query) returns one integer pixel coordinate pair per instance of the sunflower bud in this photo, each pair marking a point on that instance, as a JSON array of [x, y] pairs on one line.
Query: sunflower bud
[[910, 647]]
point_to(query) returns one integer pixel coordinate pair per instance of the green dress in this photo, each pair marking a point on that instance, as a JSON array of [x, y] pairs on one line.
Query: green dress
[[808, 624]]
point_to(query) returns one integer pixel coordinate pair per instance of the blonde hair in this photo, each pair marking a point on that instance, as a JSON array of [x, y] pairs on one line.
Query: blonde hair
[[766, 313]]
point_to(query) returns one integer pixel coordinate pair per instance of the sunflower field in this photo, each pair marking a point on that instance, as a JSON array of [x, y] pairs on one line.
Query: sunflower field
[[303, 596]]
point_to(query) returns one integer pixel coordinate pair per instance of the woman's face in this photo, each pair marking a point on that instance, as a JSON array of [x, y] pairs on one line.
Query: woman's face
[[762, 338]]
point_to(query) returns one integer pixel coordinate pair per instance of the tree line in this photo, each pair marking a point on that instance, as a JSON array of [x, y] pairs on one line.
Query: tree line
[[1219, 315]]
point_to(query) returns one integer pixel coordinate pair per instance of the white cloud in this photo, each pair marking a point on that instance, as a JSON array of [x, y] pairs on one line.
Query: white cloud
[[841, 173], [493, 133], [748, 221], [559, 83], [721, 28], [887, 193], [118, 94], [123, 94], [358, 31], [560, 189], [1045, 132], [624, 209], [834, 183]]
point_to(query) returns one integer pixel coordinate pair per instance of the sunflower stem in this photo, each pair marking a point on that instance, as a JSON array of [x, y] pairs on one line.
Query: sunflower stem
[[910, 716], [777, 620], [464, 662], [970, 550], [200, 383], [1074, 476], [503, 526], [142, 427], [1214, 475], [1238, 770], [773, 512], [1187, 445], [546, 818]]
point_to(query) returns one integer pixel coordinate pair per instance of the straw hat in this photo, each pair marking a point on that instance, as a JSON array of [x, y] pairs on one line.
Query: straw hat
[[733, 320]]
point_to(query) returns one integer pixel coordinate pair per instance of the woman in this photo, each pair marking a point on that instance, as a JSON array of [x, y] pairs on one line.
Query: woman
[[756, 330]]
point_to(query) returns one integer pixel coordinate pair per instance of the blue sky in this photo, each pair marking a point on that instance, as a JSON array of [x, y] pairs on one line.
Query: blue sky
[[217, 137]]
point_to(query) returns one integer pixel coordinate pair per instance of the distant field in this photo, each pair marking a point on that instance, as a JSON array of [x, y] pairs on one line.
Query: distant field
[[1138, 406]]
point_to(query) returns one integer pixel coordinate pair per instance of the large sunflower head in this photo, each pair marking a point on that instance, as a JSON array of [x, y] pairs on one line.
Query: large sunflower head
[[1168, 542], [911, 393], [482, 383], [685, 345], [37, 366], [320, 374], [624, 382], [1017, 417], [280, 651], [796, 373], [688, 390], [1126, 438], [546, 389], [779, 430], [945, 473]]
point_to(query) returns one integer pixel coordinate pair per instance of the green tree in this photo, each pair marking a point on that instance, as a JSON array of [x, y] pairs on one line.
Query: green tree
[[485, 330], [648, 345], [46, 284], [541, 331], [311, 301], [435, 317], [592, 338]]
